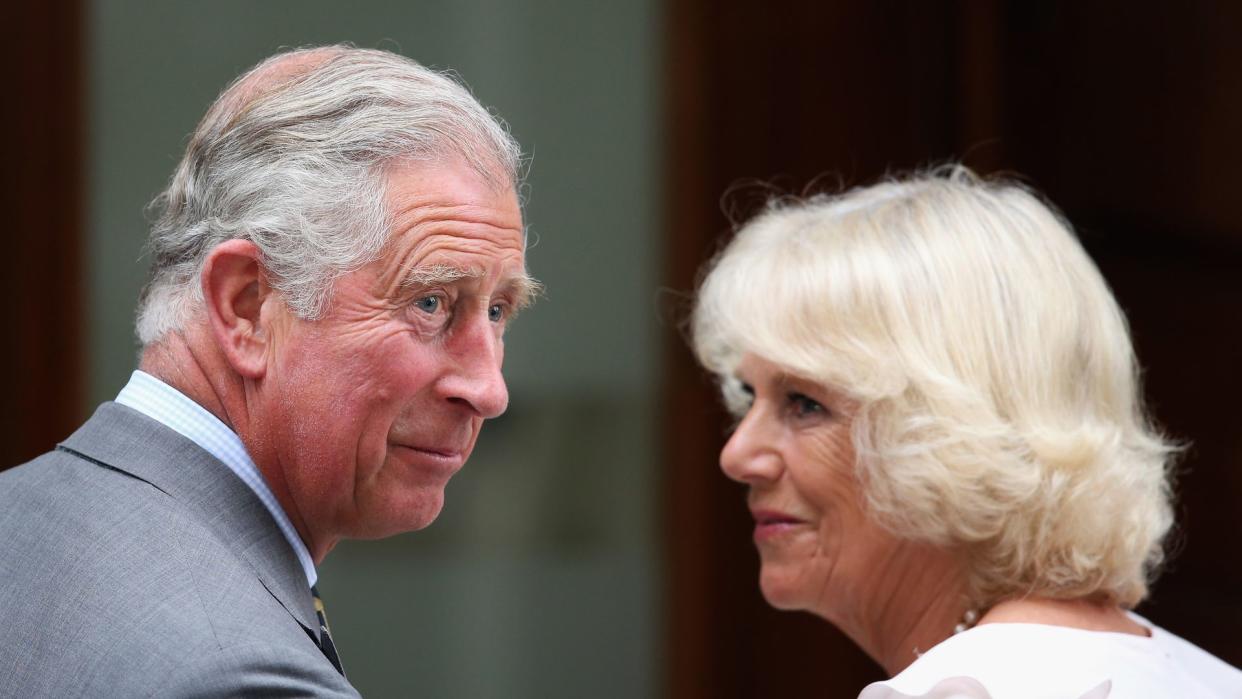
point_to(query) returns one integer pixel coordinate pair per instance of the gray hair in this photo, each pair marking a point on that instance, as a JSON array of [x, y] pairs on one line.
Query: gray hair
[[292, 157]]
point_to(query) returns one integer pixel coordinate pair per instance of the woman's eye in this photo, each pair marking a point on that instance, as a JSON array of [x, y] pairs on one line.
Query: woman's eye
[[738, 398], [804, 406], [428, 304]]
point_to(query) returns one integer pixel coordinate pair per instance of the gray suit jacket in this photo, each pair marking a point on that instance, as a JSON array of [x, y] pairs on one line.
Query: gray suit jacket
[[134, 564]]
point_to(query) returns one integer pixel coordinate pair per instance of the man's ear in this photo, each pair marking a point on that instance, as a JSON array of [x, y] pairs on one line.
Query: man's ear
[[235, 290]]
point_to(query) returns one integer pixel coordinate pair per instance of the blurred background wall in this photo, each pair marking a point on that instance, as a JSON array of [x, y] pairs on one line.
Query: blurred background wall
[[591, 546]]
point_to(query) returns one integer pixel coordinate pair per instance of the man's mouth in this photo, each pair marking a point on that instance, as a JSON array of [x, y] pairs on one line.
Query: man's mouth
[[446, 457], [446, 452]]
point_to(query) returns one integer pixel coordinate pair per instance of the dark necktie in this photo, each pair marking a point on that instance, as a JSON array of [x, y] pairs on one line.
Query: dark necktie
[[325, 642]]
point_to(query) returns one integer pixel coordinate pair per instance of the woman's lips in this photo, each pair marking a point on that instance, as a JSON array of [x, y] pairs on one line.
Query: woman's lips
[[771, 524]]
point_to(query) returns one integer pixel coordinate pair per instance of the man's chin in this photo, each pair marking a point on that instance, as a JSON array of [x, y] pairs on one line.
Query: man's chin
[[398, 518]]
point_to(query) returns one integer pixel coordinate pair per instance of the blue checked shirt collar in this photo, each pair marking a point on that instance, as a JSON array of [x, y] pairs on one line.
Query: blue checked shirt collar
[[168, 406]]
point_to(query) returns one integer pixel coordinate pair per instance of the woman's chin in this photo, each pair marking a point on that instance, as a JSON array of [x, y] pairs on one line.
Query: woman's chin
[[781, 589]]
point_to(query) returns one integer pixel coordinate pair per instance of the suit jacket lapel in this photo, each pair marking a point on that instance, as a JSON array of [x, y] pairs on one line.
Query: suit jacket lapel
[[128, 441]]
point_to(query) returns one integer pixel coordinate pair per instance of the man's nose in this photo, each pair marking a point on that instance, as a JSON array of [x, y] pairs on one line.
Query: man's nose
[[749, 456], [476, 380]]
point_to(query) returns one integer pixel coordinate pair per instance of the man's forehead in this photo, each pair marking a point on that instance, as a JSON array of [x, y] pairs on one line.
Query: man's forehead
[[438, 230], [447, 186], [458, 248], [451, 226]]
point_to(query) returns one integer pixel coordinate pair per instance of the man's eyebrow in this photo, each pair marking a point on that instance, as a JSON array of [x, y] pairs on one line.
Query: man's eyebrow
[[523, 289], [437, 275]]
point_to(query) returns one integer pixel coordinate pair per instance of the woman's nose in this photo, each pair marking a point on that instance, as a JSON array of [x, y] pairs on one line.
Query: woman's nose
[[750, 455]]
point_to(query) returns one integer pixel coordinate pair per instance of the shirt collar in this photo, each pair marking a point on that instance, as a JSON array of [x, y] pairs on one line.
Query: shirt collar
[[172, 408]]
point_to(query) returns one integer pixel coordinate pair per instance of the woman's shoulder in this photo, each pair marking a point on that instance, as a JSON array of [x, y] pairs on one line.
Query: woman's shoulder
[[1004, 660]]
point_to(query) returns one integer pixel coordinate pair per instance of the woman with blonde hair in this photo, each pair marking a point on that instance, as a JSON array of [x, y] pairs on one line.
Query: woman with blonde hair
[[941, 428]]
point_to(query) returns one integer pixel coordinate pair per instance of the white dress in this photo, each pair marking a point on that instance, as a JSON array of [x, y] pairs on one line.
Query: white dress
[[1030, 661]]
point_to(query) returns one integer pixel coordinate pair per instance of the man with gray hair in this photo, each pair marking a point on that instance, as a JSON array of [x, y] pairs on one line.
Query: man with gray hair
[[336, 259]]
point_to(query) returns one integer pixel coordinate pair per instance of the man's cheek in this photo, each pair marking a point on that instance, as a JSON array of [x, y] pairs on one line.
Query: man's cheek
[[372, 443]]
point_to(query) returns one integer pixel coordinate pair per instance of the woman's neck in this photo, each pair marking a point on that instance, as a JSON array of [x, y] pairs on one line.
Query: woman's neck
[[913, 601], [1075, 614]]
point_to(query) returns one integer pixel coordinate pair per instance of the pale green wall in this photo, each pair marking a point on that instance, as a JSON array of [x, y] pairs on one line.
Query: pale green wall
[[541, 578]]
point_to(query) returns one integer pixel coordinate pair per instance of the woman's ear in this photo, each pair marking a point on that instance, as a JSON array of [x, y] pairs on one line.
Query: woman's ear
[[235, 287]]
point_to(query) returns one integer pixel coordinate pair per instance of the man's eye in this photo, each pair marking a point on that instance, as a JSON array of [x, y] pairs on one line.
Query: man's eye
[[428, 304], [496, 313], [804, 406]]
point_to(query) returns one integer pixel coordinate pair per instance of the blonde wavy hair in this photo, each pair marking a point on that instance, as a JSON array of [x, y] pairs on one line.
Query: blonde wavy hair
[[1000, 409]]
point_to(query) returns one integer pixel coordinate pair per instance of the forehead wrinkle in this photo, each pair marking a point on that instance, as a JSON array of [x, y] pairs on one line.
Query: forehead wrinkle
[[429, 258], [431, 232], [417, 213]]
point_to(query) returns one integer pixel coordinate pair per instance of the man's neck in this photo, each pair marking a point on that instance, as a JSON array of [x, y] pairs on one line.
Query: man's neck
[[189, 362], [202, 378]]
